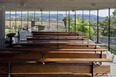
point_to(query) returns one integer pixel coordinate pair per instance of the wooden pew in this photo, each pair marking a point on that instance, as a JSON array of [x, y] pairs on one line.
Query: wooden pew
[[29, 54], [55, 54], [61, 44], [59, 36], [65, 39], [58, 45], [54, 32], [49, 50], [57, 69], [51, 32], [26, 57], [54, 39], [56, 60], [13, 55], [58, 40]]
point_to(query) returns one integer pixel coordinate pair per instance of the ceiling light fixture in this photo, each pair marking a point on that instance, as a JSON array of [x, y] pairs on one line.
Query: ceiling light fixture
[[22, 4], [93, 5], [73, 10]]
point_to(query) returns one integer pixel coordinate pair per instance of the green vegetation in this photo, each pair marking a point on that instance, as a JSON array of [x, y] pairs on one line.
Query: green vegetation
[[103, 26], [81, 26]]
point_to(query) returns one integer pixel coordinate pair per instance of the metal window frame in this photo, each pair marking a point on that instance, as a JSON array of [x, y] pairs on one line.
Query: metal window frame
[[109, 30], [57, 21], [75, 21], [21, 19], [27, 20], [82, 16], [49, 19], [15, 22], [68, 21], [89, 23], [10, 22], [41, 16], [97, 25]]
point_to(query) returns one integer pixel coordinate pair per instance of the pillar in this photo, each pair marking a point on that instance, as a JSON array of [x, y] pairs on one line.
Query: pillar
[[2, 26]]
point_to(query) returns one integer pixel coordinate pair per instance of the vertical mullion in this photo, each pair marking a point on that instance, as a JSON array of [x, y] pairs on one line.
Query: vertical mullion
[[15, 21], [21, 19], [34, 15], [89, 24], [27, 20], [97, 26], [18, 23], [41, 17], [66, 23], [57, 20], [49, 19], [69, 22], [75, 20], [10, 22], [109, 32], [82, 16]]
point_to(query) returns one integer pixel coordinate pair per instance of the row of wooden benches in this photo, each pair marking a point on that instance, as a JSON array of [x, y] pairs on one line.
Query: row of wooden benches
[[54, 58]]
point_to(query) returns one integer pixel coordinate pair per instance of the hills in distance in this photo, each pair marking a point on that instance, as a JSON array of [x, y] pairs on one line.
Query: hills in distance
[[53, 17]]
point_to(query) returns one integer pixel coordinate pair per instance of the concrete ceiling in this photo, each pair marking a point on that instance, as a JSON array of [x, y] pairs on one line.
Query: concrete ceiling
[[62, 5]]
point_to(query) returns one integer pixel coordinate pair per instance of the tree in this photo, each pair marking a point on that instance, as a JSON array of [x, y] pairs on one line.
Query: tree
[[103, 25], [15, 25], [66, 19], [114, 13], [81, 27]]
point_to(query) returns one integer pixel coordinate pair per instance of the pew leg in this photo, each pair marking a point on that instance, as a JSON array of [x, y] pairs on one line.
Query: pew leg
[[9, 69], [101, 57], [92, 67]]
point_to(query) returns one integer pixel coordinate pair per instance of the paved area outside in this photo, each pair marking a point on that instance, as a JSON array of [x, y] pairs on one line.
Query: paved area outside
[[113, 64]]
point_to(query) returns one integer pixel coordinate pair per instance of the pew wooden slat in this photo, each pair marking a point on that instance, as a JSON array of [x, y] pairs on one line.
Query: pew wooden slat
[[49, 55], [50, 32], [75, 60], [71, 44], [58, 36], [57, 60], [55, 39], [30, 50]]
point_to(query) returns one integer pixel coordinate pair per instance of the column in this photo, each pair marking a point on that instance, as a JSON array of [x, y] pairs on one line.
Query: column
[[2, 26]]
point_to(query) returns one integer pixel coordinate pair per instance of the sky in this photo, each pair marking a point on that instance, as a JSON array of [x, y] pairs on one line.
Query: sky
[[102, 13]]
